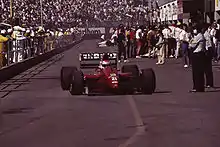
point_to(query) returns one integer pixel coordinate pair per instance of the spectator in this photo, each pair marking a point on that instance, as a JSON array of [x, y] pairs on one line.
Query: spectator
[[121, 45], [3, 40], [178, 31], [138, 40], [197, 44], [184, 39], [167, 34], [208, 57], [161, 48]]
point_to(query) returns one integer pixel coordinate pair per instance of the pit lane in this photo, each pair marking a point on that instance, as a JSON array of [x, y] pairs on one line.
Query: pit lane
[[36, 112]]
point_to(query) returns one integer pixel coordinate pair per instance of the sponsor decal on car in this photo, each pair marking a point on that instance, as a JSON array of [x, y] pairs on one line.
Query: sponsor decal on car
[[96, 56]]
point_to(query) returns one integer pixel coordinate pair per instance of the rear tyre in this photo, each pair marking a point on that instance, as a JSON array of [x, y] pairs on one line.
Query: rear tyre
[[148, 81], [128, 86], [77, 84], [131, 69], [66, 77]]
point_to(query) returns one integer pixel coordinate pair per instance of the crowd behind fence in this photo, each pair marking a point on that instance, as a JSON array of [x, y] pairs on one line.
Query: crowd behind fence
[[17, 50]]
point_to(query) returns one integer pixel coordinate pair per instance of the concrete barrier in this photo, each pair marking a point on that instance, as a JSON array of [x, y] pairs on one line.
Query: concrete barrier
[[96, 36], [92, 36], [10, 71]]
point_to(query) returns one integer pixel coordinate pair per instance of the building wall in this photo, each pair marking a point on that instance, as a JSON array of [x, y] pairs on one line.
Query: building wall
[[209, 7], [169, 11], [194, 10], [217, 9], [183, 10], [163, 2]]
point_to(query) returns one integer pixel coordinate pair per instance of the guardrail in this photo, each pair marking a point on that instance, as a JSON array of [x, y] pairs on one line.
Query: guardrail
[[18, 50], [27, 61]]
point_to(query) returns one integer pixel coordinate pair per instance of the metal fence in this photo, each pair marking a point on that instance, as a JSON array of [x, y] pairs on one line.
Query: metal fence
[[17, 50]]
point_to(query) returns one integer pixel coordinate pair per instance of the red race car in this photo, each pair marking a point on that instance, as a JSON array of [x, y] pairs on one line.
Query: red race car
[[106, 78]]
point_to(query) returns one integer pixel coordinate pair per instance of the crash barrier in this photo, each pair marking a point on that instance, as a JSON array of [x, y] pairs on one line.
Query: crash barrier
[[17, 50], [111, 23], [16, 68]]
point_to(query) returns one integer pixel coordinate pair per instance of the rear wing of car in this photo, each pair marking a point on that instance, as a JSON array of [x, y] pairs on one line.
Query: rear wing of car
[[92, 60]]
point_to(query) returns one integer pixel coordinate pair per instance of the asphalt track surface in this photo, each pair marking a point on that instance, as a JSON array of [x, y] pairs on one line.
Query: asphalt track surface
[[35, 112]]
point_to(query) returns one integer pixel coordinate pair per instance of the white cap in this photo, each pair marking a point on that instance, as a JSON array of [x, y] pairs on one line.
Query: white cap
[[3, 31], [103, 37], [9, 30]]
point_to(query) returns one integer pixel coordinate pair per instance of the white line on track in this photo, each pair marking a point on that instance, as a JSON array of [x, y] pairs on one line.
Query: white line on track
[[138, 122]]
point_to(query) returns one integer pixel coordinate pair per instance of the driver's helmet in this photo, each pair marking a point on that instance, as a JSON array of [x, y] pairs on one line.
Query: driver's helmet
[[105, 60], [105, 63], [105, 57]]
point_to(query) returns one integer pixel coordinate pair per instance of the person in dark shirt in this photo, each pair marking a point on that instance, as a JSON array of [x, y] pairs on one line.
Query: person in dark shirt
[[128, 31], [122, 44], [132, 43]]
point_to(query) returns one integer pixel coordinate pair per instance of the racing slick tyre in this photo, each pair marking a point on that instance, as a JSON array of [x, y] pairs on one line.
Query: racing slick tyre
[[66, 77], [131, 69], [148, 81], [77, 84], [128, 86]]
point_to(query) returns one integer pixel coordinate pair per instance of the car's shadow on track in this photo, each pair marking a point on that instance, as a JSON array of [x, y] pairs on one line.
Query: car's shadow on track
[[134, 94]]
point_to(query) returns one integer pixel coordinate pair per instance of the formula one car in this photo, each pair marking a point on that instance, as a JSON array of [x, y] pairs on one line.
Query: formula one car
[[106, 78]]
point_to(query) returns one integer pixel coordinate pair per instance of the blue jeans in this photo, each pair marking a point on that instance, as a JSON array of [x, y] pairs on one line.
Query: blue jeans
[[185, 52]]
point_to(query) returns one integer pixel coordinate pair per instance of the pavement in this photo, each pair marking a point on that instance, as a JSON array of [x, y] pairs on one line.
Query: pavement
[[35, 112]]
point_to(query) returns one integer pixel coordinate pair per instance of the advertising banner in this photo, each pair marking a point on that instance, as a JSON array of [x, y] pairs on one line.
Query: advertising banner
[[100, 30]]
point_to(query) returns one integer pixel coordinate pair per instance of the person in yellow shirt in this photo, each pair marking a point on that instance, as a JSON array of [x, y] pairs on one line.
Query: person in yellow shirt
[[3, 40]]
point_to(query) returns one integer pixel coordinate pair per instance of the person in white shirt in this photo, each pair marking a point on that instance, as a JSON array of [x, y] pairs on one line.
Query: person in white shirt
[[18, 42], [161, 50], [208, 57], [172, 41], [172, 28], [197, 45], [184, 39], [213, 38], [178, 31], [138, 36], [114, 37], [166, 34]]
